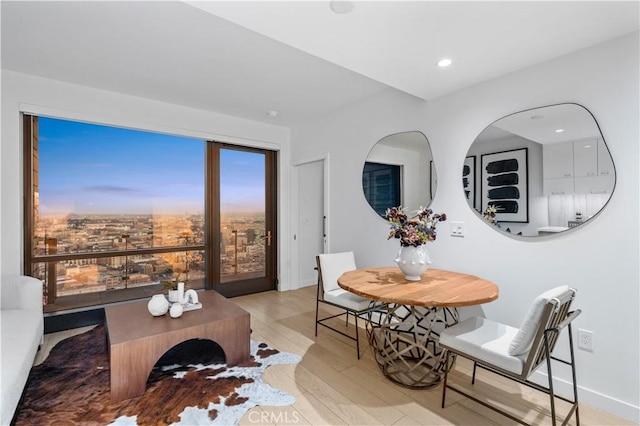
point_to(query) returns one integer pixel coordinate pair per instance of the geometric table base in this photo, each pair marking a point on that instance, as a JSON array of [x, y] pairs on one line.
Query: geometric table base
[[404, 341]]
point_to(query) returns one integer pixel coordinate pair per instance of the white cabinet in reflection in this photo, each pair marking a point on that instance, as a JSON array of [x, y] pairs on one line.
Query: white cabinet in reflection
[[582, 167], [605, 162], [585, 158], [557, 168], [596, 168]]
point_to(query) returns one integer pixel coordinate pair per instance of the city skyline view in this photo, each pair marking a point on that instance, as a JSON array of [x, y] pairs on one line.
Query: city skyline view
[[93, 169], [242, 251]]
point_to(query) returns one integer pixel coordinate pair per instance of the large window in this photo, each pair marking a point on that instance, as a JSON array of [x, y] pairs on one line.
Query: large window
[[112, 209]]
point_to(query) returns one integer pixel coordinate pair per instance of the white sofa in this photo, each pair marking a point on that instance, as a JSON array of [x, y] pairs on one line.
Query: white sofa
[[22, 331]]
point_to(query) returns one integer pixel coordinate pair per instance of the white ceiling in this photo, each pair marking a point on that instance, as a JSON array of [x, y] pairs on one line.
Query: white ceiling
[[399, 43], [297, 57], [540, 125]]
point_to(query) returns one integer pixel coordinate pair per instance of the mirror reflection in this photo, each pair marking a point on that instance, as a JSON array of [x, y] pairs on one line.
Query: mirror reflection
[[399, 171], [539, 172]]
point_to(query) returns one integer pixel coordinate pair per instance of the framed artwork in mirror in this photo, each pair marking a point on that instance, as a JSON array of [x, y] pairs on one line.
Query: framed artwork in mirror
[[505, 184], [469, 181]]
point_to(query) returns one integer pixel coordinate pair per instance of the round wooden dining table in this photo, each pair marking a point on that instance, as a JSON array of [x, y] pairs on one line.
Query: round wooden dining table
[[404, 331]]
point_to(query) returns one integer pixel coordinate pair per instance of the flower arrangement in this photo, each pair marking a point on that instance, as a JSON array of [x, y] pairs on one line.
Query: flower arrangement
[[490, 214], [179, 277], [416, 230]]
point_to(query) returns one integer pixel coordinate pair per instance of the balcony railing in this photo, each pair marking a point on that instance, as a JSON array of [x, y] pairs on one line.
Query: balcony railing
[[72, 274]]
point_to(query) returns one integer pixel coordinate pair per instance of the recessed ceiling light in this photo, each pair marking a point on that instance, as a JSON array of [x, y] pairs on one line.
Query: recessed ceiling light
[[341, 7], [442, 63], [559, 130], [272, 114]]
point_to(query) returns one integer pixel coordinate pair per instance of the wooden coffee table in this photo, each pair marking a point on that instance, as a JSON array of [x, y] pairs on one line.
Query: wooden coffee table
[[137, 340]]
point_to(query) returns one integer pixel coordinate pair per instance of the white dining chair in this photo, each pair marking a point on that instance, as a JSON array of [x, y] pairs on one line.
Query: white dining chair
[[516, 353], [330, 266]]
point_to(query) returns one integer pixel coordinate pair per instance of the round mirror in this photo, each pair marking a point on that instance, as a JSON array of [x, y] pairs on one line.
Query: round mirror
[[539, 172], [399, 171]]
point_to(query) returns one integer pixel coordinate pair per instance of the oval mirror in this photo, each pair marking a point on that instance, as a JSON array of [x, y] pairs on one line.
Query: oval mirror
[[539, 172], [399, 171]]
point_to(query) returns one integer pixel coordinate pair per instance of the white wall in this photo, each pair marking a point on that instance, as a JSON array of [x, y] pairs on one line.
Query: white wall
[[23, 93], [600, 259]]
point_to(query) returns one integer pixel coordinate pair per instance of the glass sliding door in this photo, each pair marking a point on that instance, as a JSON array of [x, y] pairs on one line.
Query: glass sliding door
[[244, 210]]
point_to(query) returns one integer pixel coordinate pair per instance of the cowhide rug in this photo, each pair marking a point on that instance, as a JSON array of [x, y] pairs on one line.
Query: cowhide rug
[[190, 385]]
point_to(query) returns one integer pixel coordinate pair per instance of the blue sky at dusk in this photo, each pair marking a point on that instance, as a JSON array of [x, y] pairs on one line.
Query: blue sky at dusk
[[92, 169]]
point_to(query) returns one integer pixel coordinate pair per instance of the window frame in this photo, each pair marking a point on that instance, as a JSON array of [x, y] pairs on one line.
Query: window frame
[[210, 245]]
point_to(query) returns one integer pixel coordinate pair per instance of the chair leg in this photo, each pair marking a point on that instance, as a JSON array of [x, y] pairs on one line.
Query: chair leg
[[357, 335], [573, 374], [550, 376], [444, 382], [317, 307], [346, 321], [473, 376]]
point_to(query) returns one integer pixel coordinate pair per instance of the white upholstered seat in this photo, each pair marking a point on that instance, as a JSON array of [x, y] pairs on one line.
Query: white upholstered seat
[[348, 300], [484, 339]]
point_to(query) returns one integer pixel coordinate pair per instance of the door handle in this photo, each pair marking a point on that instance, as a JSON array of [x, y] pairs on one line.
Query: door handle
[[268, 238], [324, 226]]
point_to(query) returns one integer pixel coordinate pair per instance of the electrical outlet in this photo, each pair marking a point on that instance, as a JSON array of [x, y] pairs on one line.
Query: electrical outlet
[[585, 340], [457, 229]]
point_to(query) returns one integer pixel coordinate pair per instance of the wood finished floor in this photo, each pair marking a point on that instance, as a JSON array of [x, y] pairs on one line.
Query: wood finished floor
[[332, 387]]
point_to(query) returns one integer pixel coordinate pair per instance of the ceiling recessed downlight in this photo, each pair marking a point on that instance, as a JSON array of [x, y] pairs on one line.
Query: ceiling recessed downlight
[[272, 114], [341, 7], [445, 62], [559, 130]]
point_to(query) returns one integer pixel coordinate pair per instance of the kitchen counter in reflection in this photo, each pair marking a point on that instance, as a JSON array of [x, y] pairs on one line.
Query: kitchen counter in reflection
[[549, 230]]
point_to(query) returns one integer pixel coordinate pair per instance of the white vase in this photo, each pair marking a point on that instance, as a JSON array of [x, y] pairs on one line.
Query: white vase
[[158, 305], [176, 310], [173, 296], [181, 299], [413, 261]]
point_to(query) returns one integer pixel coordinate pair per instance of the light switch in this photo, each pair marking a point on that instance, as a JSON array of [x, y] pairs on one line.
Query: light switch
[[457, 229]]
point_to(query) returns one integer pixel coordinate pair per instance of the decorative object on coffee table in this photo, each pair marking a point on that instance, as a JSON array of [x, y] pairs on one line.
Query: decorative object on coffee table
[[176, 310], [189, 301], [158, 305]]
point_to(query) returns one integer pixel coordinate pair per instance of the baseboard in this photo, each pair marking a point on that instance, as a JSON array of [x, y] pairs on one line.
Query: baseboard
[[590, 397], [307, 284]]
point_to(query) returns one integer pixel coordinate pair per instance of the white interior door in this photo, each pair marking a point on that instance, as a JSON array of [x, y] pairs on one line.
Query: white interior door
[[311, 220]]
